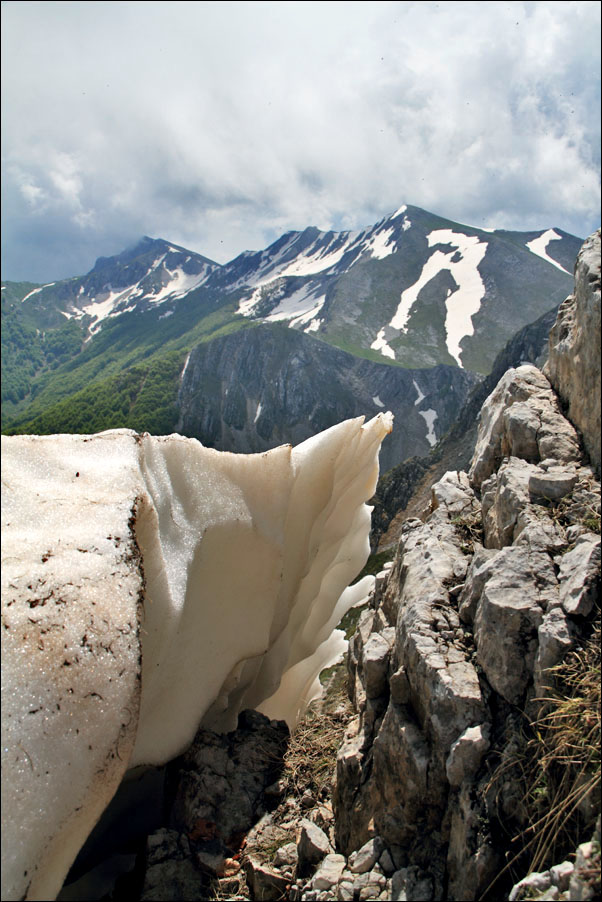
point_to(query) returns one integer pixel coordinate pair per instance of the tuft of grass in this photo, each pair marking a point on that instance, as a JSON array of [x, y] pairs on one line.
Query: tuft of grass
[[469, 528], [558, 764], [566, 748]]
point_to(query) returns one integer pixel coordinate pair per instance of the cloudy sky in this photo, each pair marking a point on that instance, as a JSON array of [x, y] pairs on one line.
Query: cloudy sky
[[221, 125]]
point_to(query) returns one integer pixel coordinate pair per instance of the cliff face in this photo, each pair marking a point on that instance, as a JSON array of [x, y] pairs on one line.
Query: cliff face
[[262, 387]]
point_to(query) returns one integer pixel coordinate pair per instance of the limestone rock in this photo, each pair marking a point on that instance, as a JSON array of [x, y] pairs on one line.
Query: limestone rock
[[579, 576], [466, 754], [534, 883], [171, 874], [478, 573], [312, 846], [552, 484], [521, 585], [216, 799], [329, 872], [365, 858], [454, 493], [504, 496], [555, 638], [521, 418], [266, 884], [560, 874], [400, 687], [573, 366], [410, 885], [286, 856], [375, 661]]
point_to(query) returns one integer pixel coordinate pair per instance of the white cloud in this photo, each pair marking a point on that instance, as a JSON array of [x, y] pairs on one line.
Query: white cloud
[[219, 126]]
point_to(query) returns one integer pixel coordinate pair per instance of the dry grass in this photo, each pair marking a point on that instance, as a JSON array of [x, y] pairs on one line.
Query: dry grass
[[558, 765], [566, 749], [469, 528], [310, 761], [309, 765]]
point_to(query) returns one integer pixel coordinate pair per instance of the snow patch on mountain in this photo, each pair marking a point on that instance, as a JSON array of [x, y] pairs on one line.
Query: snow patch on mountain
[[320, 258], [462, 262], [419, 393], [323, 255], [377, 401], [380, 245], [299, 307], [179, 284], [429, 417], [37, 291], [100, 310], [539, 246], [314, 325], [380, 344]]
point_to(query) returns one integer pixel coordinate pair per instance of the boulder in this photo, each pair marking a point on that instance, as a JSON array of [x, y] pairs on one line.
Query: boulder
[[579, 576], [286, 856], [466, 754], [215, 799], [365, 858], [329, 872], [266, 885], [534, 431], [312, 846]]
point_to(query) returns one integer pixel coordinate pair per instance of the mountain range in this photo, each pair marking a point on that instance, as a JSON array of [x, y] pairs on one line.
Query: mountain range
[[278, 344]]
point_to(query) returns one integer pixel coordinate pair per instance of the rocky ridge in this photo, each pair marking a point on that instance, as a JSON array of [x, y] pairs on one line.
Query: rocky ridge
[[483, 598], [573, 366]]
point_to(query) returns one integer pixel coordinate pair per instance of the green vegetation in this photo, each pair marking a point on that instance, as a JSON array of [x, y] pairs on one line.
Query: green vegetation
[[142, 398], [27, 351], [126, 375], [375, 563]]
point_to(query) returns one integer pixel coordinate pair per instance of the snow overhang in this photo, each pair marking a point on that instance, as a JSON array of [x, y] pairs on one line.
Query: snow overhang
[[149, 585]]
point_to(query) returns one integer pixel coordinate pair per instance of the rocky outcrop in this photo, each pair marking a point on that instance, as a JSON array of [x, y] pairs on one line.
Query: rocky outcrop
[[219, 789], [404, 491], [573, 366], [482, 600]]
